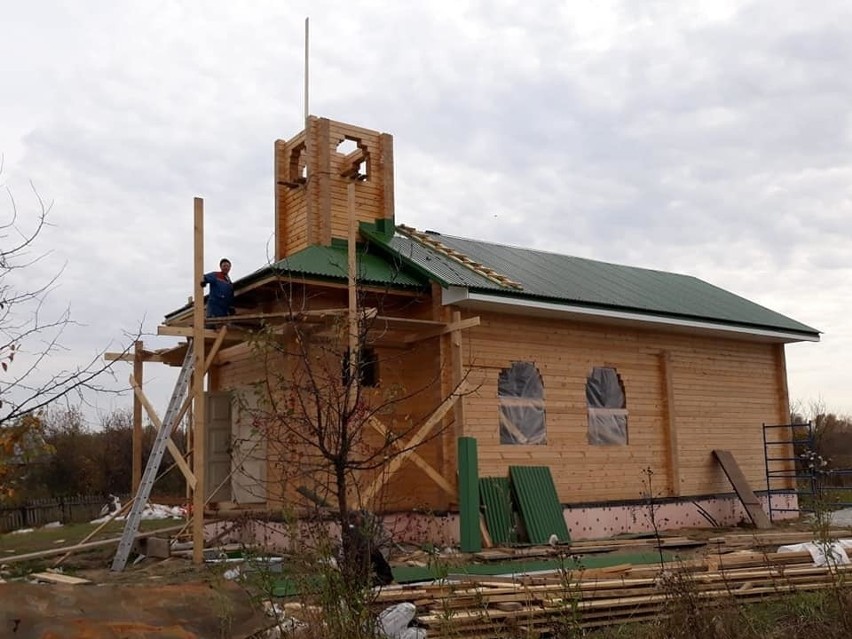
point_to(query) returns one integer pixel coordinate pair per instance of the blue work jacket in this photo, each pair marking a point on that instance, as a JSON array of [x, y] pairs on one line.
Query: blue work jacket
[[221, 298]]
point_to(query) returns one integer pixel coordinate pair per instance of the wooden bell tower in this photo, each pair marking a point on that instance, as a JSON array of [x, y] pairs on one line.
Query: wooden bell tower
[[312, 173]]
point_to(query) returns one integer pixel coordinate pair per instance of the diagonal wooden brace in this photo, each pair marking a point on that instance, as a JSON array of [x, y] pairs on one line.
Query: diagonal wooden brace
[[409, 449], [415, 457], [173, 449], [152, 414]]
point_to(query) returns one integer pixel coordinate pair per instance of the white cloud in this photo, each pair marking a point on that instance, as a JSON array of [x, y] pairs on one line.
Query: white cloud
[[704, 137]]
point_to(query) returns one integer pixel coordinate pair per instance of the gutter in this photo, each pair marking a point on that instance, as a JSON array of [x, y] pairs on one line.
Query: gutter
[[462, 296]]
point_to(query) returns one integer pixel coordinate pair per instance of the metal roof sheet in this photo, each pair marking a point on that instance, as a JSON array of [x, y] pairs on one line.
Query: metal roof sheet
[[332, 262], [496, 497], [580, 281], [538, 503]]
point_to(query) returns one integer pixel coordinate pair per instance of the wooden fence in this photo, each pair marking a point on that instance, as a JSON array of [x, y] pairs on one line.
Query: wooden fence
[[39, 512]]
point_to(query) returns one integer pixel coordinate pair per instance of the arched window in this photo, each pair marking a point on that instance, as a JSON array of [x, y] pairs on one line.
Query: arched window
[[521, 395], [607, 406]]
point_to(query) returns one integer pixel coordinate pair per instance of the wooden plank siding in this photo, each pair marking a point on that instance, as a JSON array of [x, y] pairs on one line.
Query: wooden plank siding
[[722, 390]]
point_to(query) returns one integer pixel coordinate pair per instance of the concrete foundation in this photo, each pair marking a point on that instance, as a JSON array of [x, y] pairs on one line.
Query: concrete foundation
[[584, 522]]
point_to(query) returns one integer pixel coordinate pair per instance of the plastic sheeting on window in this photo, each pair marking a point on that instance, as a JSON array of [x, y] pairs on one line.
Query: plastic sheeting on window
[[607, 408], [521, 395]]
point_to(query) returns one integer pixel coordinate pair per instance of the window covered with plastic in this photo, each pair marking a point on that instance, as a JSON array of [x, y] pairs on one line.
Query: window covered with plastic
[[607, 406], [521, 394]]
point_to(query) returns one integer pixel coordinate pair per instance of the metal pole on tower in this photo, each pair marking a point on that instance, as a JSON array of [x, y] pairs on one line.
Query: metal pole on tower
[[307, 68]]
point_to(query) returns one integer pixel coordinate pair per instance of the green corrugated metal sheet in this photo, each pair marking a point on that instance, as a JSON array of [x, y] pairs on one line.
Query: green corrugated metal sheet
[[538, 503], [582, 282], [497, 500], [468, 495], [331, 262]]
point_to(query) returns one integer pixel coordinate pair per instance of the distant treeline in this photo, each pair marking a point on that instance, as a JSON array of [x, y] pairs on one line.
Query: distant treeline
[[65, 456]]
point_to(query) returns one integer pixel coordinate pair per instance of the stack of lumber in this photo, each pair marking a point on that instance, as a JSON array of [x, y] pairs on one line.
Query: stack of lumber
[[766, 539], [587, 547], [462, 606]]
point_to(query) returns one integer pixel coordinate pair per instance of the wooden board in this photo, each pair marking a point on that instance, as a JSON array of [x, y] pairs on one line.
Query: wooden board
[[750, 501], [59, 578]]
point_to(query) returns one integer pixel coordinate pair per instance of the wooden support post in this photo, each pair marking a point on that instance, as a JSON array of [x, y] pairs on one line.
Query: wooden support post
[[670, 423], [354, 355], [447, 444], [198, 439], [468, 495], [188, 422], [458, 375], [784, 416], [137, 418]]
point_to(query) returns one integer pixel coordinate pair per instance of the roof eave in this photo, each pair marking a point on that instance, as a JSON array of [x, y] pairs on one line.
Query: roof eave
[[461, 296], [269, 275]]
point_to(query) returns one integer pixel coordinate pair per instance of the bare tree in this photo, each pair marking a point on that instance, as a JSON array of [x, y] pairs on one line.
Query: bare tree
[[331, 427], [30, 337]]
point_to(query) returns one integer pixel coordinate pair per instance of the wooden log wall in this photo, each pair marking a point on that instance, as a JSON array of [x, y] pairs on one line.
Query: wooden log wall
[[721, 392], [402, 372], [311, 205], [412, 371]]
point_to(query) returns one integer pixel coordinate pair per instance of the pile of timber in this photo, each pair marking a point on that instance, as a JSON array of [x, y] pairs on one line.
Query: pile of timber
[[587, 547], [772, 538], [462, 606]]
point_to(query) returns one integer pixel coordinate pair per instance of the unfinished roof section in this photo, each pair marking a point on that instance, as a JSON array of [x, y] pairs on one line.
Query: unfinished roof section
[[539, 281], [312, 173], [318, 264]]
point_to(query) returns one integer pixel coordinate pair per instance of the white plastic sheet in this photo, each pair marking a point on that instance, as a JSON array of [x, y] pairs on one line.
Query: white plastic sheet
[[607, 408], [833, 554], [521, 394]]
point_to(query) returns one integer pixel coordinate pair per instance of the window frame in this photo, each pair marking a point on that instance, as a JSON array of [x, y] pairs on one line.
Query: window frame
[[617, 431], [531, 409]]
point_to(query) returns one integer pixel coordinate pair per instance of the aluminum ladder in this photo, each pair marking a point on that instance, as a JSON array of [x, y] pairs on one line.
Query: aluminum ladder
[[131, 526]]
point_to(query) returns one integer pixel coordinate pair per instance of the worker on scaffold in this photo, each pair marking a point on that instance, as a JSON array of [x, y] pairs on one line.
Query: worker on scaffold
[[221, 298]]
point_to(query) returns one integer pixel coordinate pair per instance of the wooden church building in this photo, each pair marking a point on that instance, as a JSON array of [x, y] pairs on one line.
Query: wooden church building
[[597, 371]]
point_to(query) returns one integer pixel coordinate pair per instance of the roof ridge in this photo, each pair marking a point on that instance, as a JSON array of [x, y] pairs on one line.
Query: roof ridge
[[556, 253], [458, 256]]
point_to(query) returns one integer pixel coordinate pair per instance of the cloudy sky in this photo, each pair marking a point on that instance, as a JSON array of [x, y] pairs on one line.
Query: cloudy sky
[[704, 137]]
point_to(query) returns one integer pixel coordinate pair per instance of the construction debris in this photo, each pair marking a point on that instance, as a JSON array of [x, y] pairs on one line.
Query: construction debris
[[52, 577], [495, 606]]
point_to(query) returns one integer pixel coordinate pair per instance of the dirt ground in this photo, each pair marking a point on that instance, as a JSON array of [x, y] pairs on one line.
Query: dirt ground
[[200, 598]]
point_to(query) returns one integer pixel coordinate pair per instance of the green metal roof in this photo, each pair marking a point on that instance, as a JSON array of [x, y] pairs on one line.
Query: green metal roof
[[330, 262], [576, 281], [404, 260]]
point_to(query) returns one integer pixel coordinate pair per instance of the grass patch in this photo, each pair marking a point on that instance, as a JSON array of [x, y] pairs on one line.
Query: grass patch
[[49, 538]]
